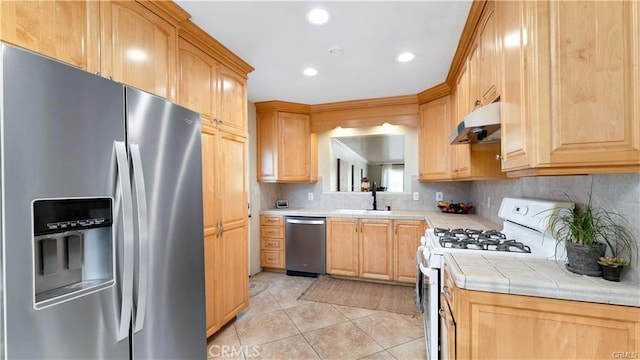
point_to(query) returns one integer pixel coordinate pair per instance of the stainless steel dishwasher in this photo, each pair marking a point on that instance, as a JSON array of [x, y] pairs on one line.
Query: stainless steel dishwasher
[[305, 245]]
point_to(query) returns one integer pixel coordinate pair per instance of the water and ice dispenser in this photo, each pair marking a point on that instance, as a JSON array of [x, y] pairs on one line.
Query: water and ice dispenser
[[73, 248]]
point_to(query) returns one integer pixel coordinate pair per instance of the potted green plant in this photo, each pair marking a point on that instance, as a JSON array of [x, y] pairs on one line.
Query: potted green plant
[[621, 246], [612, 267], [586, 233]]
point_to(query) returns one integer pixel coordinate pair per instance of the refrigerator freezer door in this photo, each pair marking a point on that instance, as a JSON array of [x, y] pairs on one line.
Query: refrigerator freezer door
[[168, 139], [58, 128]]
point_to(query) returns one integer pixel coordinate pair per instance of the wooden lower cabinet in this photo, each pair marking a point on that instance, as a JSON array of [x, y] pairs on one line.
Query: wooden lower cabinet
[[233, 290], [377, 249], [342, 246], [502, 326], [406, 239], [272, 242], [210, 260], [225, 226]]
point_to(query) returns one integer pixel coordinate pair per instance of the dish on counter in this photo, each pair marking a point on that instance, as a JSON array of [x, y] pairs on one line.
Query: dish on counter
[[454, 208]]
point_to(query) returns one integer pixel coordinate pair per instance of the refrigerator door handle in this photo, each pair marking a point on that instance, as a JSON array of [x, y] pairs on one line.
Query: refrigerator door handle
[[126, 282], [143, 237]]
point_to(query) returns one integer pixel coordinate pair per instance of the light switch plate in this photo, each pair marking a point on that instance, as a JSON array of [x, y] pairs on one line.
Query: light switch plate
[[439, 196], [416, 196]]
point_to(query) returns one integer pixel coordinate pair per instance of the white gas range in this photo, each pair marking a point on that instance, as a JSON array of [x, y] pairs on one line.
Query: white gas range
[[524, 234]]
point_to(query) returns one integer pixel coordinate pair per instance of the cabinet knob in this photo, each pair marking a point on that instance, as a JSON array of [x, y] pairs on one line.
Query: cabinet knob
[[499, 157], [477, 102]]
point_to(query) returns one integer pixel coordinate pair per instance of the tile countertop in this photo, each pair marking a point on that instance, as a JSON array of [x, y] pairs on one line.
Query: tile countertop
[[536, 277], [433, 218]]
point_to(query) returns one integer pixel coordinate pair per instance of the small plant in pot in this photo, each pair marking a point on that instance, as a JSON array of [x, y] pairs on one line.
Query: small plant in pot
[[612, 267], [621, 246], [586, 233]]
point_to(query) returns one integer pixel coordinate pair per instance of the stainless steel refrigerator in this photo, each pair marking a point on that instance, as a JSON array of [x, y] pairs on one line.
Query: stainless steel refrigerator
[[101, 217]]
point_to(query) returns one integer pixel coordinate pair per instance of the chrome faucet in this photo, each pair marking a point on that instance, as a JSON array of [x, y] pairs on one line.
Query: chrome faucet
[[373, 193]]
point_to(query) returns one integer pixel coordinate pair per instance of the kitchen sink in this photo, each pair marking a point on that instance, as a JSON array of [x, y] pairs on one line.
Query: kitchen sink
[[361, 212]]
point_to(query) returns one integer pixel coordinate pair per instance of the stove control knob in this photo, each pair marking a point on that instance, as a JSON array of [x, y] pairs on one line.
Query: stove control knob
[[522, 210]]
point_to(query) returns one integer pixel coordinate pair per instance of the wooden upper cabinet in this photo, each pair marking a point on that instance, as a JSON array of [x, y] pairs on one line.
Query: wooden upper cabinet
[[231, 102], [482, 63], [293, 147], [287, 150], [512, 27], [488, 67], [138, 47], [571, 87], [213, 90], [433, 140], [65, 30], [595, 83], [459, 157], [470, 81], [196, 79]]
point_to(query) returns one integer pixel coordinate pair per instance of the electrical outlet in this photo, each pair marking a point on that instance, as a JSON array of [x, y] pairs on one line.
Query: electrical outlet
[[310, 196], [416, 196], [439, 196]]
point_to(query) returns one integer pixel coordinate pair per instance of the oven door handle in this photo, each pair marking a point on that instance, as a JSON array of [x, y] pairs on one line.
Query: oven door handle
[[430, 273]]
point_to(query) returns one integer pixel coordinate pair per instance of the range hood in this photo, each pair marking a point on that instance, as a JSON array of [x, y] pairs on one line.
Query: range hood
[[479, 126]]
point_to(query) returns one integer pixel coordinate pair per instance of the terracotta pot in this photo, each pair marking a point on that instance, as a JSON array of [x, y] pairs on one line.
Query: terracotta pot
[[583, 259], [612, 273]]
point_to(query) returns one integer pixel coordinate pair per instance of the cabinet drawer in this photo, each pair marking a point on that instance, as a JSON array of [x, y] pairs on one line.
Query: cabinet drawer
[[272, 231], [271, 244], [272, 259], [271, 220]]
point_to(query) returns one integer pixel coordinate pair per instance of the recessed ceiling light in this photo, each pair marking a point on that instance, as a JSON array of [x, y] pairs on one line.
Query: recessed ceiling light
[[318, 16], [310, 71], [405, 57], [336, 50]]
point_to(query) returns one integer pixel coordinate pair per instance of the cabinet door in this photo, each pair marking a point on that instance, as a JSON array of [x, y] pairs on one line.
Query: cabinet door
[[210, 263], [376, 249], [342, 246], [490, 325], [460, 154], [595, 84], [405, 244], [231, 112], [433, 139], [209, 140], [474, 96], [138, 47], [196, 79], [210, 217], [267, 134], [515, 123], [233, 194], [488, 76], [293, 151], [65, 30], [233, 293]]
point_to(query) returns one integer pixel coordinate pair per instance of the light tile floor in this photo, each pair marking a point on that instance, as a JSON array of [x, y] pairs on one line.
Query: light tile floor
[[277, 325]]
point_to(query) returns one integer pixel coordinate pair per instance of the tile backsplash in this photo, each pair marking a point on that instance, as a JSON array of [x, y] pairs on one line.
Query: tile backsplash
[[614, 192], [618, 193]]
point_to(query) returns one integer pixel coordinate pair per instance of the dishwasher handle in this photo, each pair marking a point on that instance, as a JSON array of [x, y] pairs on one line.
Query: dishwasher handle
[[305, 221]]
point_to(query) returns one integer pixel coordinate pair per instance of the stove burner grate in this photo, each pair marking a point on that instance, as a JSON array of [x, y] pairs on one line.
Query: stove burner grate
[[489, 240]]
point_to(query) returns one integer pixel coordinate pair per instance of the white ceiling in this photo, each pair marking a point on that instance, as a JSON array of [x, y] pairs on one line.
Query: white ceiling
[[275, 38]]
